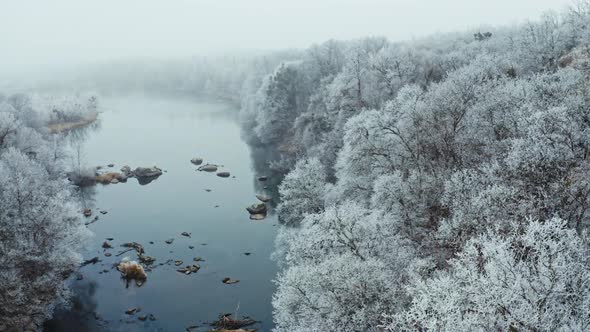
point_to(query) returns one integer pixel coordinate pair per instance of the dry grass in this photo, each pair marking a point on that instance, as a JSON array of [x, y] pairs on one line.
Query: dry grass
[[108, 177], [65, 126], [131, 270]]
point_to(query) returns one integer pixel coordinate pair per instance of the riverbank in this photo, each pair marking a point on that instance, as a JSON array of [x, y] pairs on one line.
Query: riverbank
[[61, 127]]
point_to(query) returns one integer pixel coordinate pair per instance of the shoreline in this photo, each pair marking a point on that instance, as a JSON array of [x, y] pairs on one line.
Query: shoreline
[[66, 126]]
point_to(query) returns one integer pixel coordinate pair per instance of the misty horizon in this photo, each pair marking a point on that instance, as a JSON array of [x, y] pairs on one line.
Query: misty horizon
[[66, 32]]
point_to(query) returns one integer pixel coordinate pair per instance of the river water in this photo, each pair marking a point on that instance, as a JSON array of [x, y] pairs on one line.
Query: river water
[[168, 132]]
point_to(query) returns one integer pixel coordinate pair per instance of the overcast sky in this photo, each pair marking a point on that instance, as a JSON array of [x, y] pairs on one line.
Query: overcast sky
[[37, 32]]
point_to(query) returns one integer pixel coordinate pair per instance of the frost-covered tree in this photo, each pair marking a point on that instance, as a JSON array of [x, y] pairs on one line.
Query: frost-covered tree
[[338, 294], [302, 191], [535, 278], [345, 268], [40, 235], [435, 147], [279, 104]]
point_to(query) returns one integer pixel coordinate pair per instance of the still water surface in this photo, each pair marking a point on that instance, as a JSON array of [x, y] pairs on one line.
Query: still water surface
[[168, 132]]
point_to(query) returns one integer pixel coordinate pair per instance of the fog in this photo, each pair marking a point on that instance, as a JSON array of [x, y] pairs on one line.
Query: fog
[[34, 34], [336, 165]]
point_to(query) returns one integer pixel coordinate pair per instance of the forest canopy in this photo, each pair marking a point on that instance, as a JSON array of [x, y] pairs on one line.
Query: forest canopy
[[438, 184]]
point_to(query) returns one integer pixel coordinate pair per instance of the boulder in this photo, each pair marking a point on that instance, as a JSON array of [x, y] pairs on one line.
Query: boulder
[[131, 311], [126, 170], [229, 281], [208, 168], [263, 198], [146, 260], [147, 172], [257, 208], [197, 161], [223, 174], [189, 269], [87, 212], [257, 216]]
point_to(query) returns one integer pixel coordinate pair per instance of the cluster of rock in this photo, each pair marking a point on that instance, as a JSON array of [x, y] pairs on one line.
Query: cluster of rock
[[144, 175], [209, 167], [259, 210]]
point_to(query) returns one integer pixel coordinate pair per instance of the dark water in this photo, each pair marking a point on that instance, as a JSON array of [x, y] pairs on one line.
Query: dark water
[[168, 132]]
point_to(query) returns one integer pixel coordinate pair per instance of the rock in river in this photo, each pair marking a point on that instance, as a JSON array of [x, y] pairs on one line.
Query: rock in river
[[147, 172], [223, 174], [229, 281], [257, 216], [127, 171], [190, 269], [263, 198], [131, 311], [208, 168], [257, 208], [197, 161]]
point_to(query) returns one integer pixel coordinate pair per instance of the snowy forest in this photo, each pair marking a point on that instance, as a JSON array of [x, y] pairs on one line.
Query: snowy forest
[[434, 185], [437, 184]]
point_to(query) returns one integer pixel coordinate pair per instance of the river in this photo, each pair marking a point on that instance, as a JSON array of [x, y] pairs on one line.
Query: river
[[168, 132]]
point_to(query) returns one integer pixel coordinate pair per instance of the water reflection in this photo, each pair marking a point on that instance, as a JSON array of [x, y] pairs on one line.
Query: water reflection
[[86, 196], [80, 314], [147, 179], [264, 158]]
